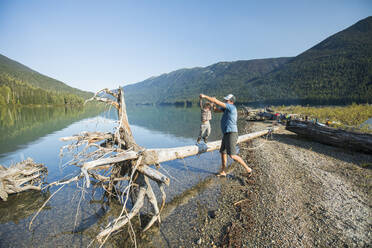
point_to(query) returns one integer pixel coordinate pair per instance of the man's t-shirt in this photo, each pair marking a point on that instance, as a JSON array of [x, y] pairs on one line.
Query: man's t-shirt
[[229, 119]]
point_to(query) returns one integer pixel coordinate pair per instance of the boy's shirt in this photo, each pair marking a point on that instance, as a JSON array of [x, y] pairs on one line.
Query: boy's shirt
[[206, 114]]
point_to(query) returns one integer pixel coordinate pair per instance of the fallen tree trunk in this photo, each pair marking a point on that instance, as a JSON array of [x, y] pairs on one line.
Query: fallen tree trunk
[[332, 136], [157, 156]]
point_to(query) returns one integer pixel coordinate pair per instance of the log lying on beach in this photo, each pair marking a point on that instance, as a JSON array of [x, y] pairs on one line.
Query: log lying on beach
[[20, 177], [156, 156], [167, 154], [332, 136]]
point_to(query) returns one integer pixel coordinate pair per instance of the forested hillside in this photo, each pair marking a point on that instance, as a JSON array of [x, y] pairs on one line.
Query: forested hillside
[[336, 71], [186, 84], [13, 91], [21, 85]]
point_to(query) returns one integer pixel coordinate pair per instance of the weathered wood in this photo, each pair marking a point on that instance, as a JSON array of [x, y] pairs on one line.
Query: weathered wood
[[152, 199], [123, 220], [20, 177], [89, 136], [145, 190], [332, 136], [104, 99], [124, 128], [107, 91], [156, 156], [153, 174], [167, 154], [122, 157]]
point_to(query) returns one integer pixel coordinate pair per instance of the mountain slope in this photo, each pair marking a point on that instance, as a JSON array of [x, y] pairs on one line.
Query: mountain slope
[[186, 84], [16, 71], [338, 70]]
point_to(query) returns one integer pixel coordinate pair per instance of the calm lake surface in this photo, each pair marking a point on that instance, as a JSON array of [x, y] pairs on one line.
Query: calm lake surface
[[35, 133]]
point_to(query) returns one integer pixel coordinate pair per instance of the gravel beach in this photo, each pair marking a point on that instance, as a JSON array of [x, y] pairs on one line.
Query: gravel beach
[[302, 194]]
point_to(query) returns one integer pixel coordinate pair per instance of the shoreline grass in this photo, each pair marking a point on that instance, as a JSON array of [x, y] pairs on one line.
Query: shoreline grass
[[346, 117]]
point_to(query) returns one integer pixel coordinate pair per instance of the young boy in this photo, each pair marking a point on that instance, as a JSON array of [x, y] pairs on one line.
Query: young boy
[[206, 116]]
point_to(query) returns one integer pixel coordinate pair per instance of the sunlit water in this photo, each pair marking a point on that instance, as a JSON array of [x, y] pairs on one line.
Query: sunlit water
[[369, 122], [59, 224]]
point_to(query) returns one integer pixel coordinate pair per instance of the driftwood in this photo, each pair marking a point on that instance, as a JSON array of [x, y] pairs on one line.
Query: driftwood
[[122, 167], [156, 156], [20, 177], [332, 136], [258, 114]]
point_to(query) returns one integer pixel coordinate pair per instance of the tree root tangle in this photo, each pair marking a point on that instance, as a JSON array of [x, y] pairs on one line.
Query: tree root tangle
[[20, 177]]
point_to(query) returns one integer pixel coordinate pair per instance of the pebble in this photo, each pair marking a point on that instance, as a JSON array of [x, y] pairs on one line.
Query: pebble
[[199, 241]]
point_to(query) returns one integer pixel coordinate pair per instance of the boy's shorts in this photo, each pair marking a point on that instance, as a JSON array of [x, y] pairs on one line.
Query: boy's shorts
[[228, 144]]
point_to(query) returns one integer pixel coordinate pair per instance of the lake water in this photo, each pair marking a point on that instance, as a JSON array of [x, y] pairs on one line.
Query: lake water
[[369, 121], [35, 133]]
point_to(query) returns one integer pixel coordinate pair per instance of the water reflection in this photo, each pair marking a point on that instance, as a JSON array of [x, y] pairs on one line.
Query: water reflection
[[21, 206], [21, 125], [179, 122]]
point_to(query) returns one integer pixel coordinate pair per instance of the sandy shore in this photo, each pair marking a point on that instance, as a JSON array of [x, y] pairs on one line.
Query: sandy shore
[[302, 194]]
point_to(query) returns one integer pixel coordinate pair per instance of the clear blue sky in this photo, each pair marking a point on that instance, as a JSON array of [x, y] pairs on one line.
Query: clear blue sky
[[96, 44]]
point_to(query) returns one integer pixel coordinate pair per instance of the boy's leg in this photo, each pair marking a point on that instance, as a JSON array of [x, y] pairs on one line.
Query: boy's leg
[[200, 134], [207, 132]]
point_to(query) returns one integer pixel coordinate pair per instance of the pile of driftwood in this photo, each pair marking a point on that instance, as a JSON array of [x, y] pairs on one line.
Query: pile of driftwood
[[258, 114], [20, 177], [332, 136], [115, 162]]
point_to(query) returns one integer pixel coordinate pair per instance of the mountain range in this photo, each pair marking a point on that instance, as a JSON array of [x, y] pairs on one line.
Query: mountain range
[[338, 70]]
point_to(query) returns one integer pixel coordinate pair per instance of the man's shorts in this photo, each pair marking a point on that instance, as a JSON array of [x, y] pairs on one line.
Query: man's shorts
[[229, 143]]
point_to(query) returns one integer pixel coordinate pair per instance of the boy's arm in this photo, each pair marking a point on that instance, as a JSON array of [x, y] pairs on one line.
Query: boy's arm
[[201, 102], [213, 106], [218, 110], [213, 100]]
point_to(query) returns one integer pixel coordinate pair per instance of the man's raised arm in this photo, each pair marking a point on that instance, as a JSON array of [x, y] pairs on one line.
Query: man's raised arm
[[213, 99]]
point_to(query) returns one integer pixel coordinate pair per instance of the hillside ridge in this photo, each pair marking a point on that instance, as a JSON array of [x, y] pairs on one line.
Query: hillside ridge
[[337, 70]]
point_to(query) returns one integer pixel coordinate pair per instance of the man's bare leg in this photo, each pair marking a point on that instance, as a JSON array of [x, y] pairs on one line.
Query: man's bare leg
[[241, 161], [223, 164]]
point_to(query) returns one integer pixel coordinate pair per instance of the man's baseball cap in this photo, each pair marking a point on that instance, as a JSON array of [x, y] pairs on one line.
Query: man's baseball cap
[[230, 97]]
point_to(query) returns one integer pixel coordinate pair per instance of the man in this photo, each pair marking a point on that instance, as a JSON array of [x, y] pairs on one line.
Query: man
[[229, 130]]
